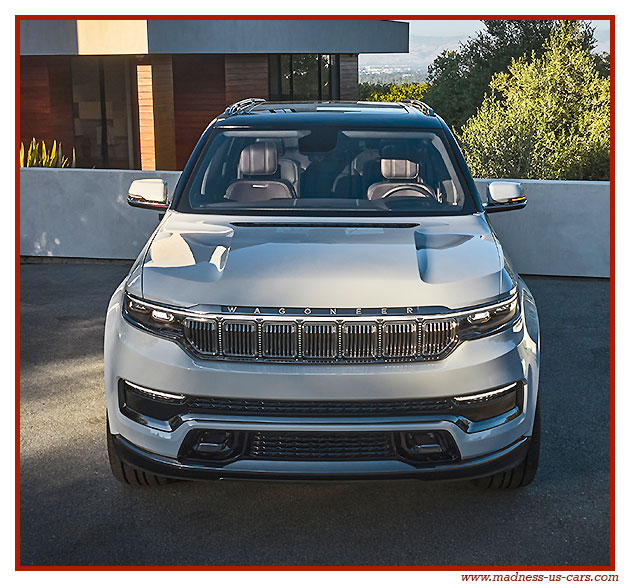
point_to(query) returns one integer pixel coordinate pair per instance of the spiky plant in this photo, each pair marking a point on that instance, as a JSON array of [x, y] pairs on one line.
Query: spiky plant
[[40, 156]]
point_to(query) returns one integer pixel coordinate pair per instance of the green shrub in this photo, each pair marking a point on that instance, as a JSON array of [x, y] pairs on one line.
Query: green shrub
[[547, 117], [398, 93], [39, 156]]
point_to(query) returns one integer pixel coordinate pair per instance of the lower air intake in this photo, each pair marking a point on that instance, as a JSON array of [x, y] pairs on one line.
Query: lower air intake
[[321, 446]]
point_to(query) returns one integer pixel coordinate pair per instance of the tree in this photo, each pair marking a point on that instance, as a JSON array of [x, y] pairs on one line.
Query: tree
[[368, 89], [398, 93], [458, 80], [547, 117]]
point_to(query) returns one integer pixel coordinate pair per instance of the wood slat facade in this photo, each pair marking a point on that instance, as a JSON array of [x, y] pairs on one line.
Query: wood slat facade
[[46, 105], [246, 76], [172, 99], [199, 97]]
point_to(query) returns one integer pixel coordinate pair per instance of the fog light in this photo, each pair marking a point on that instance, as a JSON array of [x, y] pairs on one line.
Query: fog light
[[214, 444], [424, 443]]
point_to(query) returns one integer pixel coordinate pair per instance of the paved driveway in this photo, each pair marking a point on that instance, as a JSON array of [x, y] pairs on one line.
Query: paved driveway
[[74, 512]]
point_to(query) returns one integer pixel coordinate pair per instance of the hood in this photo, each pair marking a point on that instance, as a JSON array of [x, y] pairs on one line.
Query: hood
[[449, 262]]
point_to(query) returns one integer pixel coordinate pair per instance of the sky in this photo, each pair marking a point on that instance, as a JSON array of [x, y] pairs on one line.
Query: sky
[[428, 38]]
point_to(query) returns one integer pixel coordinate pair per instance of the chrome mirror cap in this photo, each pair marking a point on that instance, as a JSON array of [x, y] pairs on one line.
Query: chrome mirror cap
[[148, 193], [504, 196]]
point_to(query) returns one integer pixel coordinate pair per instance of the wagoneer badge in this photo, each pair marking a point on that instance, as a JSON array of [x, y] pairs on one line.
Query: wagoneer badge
[[319, 311]]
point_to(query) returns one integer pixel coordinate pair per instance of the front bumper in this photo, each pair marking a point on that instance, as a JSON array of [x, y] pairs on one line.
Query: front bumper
[[498, 461], [482, 448]]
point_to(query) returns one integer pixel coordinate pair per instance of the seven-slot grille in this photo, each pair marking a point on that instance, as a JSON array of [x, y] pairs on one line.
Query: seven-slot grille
[[330, 341]]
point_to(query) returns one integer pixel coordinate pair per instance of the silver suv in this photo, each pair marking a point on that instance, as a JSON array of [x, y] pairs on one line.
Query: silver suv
[[324, 298]]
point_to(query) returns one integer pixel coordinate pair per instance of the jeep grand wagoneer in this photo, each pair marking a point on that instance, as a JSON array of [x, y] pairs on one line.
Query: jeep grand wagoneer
[[324, 298]]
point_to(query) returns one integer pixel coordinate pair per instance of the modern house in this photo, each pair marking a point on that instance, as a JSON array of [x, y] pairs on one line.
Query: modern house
[[137, 94]]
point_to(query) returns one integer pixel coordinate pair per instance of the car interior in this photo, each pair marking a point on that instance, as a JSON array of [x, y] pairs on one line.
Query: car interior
[[327, 165]]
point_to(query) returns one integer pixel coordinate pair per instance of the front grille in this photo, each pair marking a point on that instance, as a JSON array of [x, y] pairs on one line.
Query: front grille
[[322, 341], [239, 338], [438, 337], [271, 445], [221, 405]]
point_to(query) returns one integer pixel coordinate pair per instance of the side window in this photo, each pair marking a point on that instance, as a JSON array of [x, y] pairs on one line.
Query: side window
[[303, 77]]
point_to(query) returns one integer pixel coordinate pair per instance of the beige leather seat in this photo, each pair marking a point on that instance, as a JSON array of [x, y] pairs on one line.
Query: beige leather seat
[[258, 167], [400, 175]]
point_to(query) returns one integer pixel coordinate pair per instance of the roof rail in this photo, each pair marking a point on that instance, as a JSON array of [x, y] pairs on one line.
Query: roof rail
[[424, 108], [240, 106]]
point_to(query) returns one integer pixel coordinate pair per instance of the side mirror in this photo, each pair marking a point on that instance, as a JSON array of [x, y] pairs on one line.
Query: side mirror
[[504, 196], [148, 193]]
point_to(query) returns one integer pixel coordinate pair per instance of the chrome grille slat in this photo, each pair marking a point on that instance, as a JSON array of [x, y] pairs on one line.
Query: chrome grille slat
[[203, 336], [320, 340], [360, 340], [239, 338], [438, 337], [279, 340], [400, 339]]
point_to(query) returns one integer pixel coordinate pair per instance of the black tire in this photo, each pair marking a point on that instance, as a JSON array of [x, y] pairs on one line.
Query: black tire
[[130, 475], [522, 474]]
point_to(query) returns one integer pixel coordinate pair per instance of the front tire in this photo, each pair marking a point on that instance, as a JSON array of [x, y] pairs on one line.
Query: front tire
[[127, 474], [522, 474]]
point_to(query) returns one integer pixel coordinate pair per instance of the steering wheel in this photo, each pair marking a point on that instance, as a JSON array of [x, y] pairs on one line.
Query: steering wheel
[[425, 190]]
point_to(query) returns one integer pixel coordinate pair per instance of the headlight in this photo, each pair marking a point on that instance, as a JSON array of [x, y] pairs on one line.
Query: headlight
[[487, 320], [159, 320]]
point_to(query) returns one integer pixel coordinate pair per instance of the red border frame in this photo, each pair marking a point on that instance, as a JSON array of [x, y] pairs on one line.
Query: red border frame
[[474, 569]]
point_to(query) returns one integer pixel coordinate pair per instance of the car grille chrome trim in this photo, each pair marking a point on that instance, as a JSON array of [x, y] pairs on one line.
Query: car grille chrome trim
[[279, 339], [437, 337], [359, 340], [400, 339], [319, 341], [203, 336], [376, 340], [239, 338]]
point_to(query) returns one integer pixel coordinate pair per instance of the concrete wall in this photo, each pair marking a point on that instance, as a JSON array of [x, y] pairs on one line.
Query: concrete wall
[[564, 230], [84, 213]]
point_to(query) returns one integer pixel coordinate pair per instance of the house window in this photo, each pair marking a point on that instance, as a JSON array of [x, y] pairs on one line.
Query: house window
[[102, 112], [303, 77]]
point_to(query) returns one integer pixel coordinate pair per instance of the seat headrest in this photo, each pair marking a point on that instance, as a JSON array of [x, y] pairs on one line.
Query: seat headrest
[[259, 158], [398, 169]]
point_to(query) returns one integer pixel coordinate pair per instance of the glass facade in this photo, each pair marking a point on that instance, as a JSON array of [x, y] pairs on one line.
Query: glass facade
[[303, 77], [102, 106]]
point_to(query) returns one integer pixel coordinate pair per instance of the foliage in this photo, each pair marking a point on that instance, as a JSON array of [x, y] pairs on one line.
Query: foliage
[[458, 80], [547, 117], [40, 156], [367, 89], [397, 93]]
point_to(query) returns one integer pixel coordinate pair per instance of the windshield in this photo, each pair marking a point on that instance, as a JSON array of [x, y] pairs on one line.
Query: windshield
[[326, 169]]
